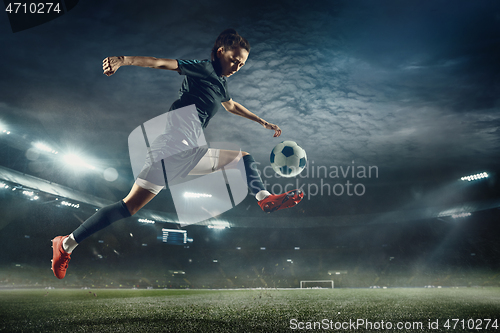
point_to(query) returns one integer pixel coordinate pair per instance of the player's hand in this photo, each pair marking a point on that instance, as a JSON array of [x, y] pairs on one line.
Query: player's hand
[[111, 64], [275, 128]]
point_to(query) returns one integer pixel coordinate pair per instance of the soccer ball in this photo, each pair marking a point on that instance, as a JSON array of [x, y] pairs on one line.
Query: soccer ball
[[288, 159]]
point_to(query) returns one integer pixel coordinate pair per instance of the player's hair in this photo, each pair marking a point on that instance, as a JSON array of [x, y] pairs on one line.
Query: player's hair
[[229, 39]]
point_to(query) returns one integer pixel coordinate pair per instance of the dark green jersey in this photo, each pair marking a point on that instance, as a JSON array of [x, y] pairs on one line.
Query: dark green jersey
[[202, 87]]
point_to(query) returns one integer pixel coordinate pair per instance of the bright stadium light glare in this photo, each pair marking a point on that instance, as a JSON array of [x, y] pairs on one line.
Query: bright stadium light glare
[[110, 174], [196, 195], [69, 204], [74, 160], [146, 221], [475, 177], [44, 147], [456, 216], [4, 129], [219, 227]]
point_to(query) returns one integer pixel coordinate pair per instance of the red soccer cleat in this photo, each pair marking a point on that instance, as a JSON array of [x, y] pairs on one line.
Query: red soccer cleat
[[276, 202], [60, 258]]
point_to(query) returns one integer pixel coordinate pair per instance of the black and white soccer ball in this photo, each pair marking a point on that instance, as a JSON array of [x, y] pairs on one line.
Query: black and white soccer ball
[[288, 159]]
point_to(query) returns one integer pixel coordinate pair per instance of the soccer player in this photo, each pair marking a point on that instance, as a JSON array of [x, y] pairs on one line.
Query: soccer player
[[205, 88]]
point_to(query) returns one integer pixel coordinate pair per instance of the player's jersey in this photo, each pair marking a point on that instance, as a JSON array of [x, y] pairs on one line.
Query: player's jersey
[[202, 87], [206, 90]]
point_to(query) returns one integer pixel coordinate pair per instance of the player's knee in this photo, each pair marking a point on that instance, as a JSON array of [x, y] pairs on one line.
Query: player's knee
[[132, 209], [133, 206]]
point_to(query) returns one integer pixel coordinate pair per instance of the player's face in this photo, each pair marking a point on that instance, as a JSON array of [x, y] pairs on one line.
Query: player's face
[[232, 60]]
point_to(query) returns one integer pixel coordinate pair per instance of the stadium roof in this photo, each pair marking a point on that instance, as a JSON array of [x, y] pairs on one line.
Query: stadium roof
[[60, 191], [411, 214]]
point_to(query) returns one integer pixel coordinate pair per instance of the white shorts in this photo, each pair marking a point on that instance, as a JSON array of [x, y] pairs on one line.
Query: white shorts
[[208, 164]]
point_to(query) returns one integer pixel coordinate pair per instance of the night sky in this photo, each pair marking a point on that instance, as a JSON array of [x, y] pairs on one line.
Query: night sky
[[411, 87]]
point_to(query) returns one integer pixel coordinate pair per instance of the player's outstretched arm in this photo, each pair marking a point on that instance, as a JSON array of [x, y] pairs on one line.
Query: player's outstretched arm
[[240, 110], [111, 64]]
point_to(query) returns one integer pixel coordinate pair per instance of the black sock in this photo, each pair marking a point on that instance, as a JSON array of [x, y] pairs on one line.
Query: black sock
[[253, 178], [101, 219]]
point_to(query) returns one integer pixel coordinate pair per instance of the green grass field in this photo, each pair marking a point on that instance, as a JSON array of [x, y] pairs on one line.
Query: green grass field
[[251, 310]]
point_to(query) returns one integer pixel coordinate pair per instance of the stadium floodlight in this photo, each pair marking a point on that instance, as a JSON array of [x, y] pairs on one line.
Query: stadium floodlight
[[475, 177], [4, 129], [456, 216], [44, 147], [69, 204], [196, 195], [218, 227], [146, 221], [77, 161]]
